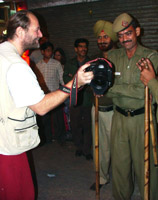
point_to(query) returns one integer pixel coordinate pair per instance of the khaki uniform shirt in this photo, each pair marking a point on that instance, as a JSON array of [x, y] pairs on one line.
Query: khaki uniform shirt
[[153, 86], [128, 90]]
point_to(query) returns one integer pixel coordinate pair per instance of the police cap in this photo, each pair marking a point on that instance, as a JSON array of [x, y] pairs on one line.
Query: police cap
[[122, 22]]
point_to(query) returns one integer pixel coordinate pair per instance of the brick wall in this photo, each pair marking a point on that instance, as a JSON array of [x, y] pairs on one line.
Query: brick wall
[[66, 23]]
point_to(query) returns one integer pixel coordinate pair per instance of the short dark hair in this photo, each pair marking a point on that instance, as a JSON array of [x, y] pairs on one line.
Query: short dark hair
[[135, 23], [19, 19], [63, 56], [81, 40], [46, 45]]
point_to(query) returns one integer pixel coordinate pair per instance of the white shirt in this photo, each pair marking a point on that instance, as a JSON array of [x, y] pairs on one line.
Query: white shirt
[[22, 82], [23, 85]]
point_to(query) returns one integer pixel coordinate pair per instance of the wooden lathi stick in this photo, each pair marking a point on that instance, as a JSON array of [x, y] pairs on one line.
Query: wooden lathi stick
[[97, 149], [146, 146], [153, 138]]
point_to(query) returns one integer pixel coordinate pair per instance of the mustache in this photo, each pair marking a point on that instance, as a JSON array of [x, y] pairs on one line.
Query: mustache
[[126, 41], [103, 43]]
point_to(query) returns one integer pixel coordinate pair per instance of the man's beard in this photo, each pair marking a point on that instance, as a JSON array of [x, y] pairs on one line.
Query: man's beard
[[105, 47], [31, 45]]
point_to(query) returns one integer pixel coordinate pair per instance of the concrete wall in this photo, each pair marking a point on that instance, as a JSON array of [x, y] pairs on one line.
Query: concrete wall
[[66, 23]]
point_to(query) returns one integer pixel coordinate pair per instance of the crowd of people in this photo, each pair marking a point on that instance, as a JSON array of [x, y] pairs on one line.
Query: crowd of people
[[43, 92]]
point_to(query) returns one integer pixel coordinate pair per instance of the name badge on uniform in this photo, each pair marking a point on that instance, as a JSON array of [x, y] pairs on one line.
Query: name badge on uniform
[[117, 73]]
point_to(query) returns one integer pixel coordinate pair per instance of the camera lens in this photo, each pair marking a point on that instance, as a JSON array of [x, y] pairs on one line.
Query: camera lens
[[99, 79], [102, 70]]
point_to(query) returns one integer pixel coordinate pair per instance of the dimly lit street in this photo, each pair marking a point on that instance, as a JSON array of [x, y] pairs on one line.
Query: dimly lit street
[[60, 175]]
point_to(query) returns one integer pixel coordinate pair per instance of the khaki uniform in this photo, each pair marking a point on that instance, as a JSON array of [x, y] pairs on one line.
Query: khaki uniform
[[127, 136], [153, 86]]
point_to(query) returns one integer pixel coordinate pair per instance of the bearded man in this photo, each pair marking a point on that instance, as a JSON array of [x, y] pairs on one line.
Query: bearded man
[[22, 97], [106, 40]]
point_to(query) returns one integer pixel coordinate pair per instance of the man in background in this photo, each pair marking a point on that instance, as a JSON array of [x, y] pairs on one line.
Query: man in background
[[106, 40], [80, 115], [50, 76]]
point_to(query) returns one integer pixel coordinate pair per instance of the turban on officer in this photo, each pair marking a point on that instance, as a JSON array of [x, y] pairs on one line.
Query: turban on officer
[[122, 22], [105, 26]]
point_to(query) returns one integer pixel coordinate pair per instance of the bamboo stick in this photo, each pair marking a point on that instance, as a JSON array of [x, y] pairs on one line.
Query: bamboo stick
[[153, 137], [146, 146], [97, 149]]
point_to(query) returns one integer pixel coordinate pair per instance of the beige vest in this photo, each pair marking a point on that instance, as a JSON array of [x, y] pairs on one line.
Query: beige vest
[[18, 128]]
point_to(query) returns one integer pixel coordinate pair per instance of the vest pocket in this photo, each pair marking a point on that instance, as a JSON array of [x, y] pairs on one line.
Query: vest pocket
[[24, 132], [24, 124]]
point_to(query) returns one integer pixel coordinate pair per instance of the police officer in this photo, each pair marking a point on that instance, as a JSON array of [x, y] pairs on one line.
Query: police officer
[[148, 76], [106, 40], [127, 134]]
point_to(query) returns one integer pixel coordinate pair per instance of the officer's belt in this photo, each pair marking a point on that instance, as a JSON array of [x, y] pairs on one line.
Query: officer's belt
[[105, 108], [130, 112]]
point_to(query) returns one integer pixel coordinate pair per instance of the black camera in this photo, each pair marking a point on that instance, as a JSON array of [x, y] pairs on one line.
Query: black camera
[[103, 75]]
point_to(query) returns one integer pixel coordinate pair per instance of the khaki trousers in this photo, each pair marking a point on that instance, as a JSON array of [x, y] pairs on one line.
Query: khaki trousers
[[127, 153], [105, 119]]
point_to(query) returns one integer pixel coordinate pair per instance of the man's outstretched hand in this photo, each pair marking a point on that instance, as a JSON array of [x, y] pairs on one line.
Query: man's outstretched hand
[[84, 77]]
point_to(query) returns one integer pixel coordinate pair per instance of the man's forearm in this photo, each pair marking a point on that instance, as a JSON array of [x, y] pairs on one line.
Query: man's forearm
[[53, 99], [50, 101]]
